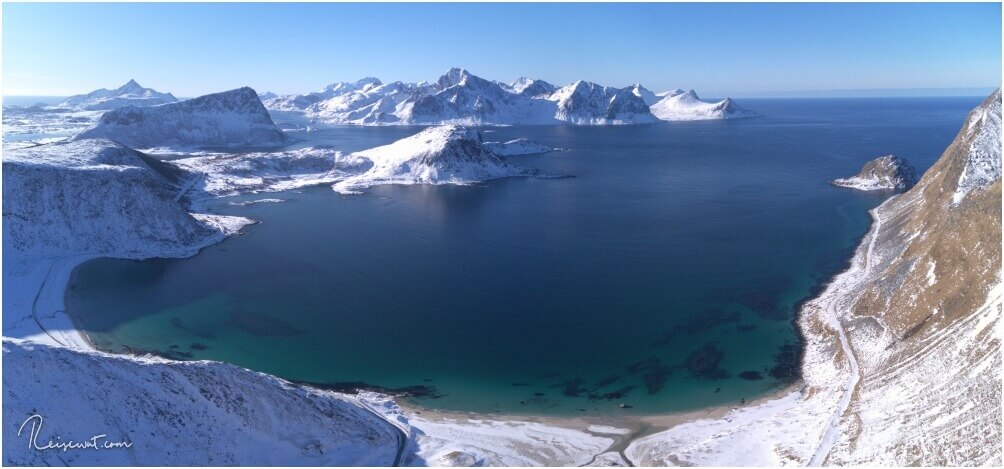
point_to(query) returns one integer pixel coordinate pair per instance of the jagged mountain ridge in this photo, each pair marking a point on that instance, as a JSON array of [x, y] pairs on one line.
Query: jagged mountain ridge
[[460, 97], [229, 118], [129, 94]]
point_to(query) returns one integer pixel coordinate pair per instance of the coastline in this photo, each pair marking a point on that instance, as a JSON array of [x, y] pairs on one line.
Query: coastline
[[436, 432], [49, 278]]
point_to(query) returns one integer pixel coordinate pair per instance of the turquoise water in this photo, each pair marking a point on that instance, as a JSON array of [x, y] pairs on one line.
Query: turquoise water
[[663, 276]]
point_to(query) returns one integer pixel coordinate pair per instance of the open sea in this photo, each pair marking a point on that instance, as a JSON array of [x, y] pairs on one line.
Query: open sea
[[664, 275]]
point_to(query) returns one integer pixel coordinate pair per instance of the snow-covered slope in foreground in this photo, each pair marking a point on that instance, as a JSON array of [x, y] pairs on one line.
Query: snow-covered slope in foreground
[[689, 107], [884, 172], [230, 118], [446, 154], [902, 362], [209, 413], [188, 414], [129, 94]]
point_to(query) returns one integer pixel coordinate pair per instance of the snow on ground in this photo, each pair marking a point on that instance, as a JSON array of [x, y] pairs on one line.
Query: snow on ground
[[519, 146], [983, 166], [26, 126], [487, 442], [171, 413], [229, 174]]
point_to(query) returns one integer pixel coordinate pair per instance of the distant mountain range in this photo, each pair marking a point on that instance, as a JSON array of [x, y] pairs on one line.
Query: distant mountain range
[[460, 97], [129, 94]]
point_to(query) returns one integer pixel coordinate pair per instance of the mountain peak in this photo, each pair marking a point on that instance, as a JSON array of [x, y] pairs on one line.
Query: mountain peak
[[455, 76]]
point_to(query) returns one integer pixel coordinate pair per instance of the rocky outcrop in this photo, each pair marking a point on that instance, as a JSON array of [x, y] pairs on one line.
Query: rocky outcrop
[[447, 154], [885, 172]]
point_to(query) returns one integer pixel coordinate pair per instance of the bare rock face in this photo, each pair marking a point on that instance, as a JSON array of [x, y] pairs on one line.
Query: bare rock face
[[227, 119], [882, 173]]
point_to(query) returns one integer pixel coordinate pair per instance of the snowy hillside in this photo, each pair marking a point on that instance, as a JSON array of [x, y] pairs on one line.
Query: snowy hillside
[[179, 414], [688, 107], [230, 118], [983, 165], [884, 172], [95, 197], [129, 94], [902, 364], [460, 97], [230, 174], [438, 155], [209, 413]]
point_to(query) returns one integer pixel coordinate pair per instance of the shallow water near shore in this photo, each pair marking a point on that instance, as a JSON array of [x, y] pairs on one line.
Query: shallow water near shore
[[663, 276]]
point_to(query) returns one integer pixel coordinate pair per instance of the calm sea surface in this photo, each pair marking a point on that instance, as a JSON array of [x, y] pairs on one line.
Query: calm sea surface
[[664, 275]]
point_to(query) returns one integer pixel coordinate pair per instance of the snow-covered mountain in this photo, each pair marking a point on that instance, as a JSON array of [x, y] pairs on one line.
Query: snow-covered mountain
[[438, 155], [884, 172], [585, 103], [531, 88], [304, 101], [460, 97], [688, 106], [230, 118], [647, 96], [129, 94]]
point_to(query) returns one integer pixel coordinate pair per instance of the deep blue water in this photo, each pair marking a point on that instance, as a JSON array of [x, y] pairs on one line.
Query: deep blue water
[[664, 275]]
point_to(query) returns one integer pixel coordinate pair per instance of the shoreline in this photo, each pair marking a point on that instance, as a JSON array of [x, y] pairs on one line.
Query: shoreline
[[57, 327]]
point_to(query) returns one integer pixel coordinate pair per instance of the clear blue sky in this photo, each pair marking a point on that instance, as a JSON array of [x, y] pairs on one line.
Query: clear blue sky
[[718, 49]]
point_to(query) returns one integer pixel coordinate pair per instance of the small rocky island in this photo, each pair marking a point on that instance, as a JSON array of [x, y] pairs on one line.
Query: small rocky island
[[884, 172]]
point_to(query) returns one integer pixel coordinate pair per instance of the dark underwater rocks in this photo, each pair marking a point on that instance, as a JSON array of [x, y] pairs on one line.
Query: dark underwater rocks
[[698, 323], [353, 387], [751, 375], [654, 373], [262, 325], [705, 363]]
